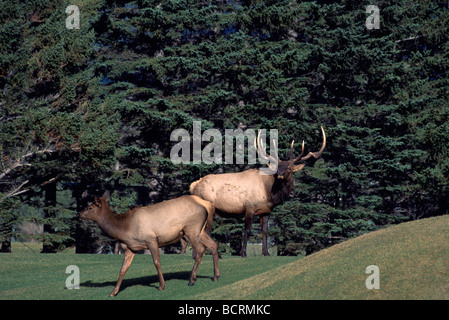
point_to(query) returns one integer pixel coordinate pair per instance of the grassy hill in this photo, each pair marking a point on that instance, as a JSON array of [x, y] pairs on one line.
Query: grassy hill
[[413, 259]]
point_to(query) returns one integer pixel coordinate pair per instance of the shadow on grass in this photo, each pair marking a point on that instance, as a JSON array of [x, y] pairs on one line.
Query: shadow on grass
[[151, 281]]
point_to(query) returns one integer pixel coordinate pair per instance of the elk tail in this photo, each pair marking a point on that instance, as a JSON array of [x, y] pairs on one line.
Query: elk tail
[[193, 186], [210, 216], [210, 212]]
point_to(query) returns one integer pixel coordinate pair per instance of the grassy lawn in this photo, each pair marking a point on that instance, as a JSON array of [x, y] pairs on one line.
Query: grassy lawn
[[27, 274]]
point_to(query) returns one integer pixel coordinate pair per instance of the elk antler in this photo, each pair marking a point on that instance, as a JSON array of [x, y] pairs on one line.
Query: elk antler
[[316, 155], [261, 150], [291, 153]]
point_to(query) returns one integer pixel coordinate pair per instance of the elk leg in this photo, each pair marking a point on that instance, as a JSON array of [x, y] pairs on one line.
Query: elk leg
[[199, 250], [264, 227], [154, 249], [129, 255], [213, 247], [246, 232], [183, 245]]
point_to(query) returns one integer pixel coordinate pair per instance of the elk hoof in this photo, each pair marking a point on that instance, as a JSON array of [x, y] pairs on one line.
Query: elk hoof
[[191, 284], [215, 279], [161, 287]]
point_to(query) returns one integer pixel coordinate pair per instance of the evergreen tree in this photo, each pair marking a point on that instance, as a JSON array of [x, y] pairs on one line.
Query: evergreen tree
[[92, 109], [45, 81]]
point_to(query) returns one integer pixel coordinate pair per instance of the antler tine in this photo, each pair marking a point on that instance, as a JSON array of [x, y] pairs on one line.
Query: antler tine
[[302, 152], [291, 151], [316, 155], [262, 151]]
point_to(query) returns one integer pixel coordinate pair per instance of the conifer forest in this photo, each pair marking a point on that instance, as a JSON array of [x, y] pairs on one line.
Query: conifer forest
[[92, 90]]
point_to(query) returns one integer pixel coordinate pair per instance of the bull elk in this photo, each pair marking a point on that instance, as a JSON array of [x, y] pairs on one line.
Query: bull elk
[[155, 226], [251, 193]]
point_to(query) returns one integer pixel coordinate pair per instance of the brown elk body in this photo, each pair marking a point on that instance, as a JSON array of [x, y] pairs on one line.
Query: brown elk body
[[156, 226], [251, 193]]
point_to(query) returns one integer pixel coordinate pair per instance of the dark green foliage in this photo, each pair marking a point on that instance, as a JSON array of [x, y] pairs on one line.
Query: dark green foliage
[[93, 109]]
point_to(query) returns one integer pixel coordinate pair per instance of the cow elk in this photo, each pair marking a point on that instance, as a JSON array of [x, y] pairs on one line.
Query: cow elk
[[155, 226], [251, 193]]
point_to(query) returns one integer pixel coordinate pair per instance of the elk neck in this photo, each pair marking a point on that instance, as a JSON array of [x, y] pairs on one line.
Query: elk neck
[[281, 189], [114, 225]]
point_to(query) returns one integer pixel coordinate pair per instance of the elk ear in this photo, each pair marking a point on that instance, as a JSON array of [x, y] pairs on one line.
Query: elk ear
[[106, 195], [298, 167], [103, 201], [97, 201]]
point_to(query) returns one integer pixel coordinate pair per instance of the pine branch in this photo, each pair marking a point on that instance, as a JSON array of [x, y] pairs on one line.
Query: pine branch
[[17, 191], [20, 162]]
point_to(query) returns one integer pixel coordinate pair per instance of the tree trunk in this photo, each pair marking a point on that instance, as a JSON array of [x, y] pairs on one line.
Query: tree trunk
[[83, 237], [50, 203], [6, 245]]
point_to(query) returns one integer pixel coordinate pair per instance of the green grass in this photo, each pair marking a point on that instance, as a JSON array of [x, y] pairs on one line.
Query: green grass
[[27, 274], [413, 259]]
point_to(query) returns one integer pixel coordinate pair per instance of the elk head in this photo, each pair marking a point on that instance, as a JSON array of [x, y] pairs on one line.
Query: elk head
[[92, 212], [287, 167]]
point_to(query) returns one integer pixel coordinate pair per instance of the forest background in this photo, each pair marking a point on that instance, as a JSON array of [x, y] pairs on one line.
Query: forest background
[[89, 111]]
